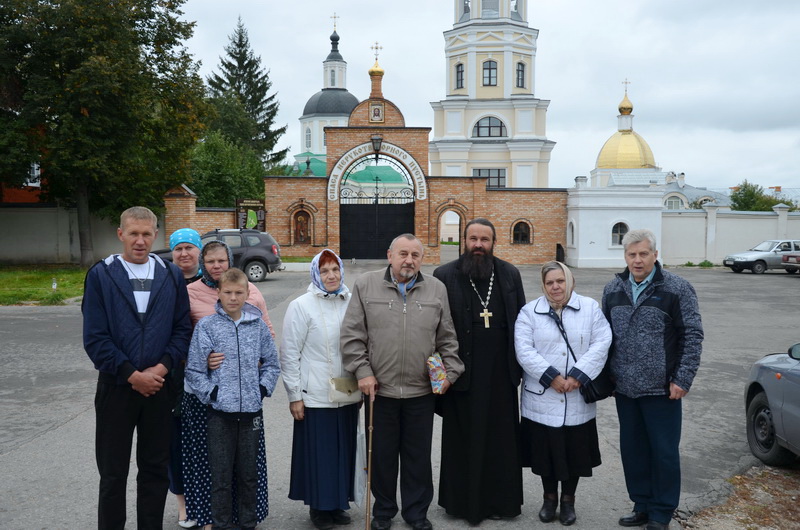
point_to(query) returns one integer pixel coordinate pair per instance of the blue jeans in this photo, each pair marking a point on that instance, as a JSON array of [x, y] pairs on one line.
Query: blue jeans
[[649, 436], [232, 448]]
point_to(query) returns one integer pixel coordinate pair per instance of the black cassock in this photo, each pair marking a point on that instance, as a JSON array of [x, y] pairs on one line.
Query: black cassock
[[481, 475]]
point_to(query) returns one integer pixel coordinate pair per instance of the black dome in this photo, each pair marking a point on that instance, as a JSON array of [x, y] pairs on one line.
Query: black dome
[[334, 55], [331, 101]]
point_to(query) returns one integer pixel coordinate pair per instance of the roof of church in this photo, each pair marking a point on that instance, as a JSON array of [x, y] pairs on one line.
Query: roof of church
[[625, 149], [692, 193], [334, 55], [331, 101], [384, 174]]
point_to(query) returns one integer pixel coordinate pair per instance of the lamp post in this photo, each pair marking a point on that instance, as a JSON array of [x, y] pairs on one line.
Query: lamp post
[[377, 141]]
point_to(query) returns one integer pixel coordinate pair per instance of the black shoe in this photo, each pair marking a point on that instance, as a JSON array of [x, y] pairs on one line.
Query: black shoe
[[340, 517], [422, 524], [655, 525], [634, 519], [567, 514], [321, 519], [381, 523], [548, 512]]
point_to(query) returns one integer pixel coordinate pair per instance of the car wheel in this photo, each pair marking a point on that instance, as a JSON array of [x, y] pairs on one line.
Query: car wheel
[[761, 434], [759, 267], [791, 271], [256, 271], [736, 269]]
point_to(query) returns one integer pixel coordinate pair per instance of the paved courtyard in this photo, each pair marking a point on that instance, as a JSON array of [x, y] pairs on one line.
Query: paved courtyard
[[47, 417]]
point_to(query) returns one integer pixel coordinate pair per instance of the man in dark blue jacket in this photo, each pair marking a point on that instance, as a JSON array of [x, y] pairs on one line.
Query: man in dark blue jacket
[[135, 328], [655, 353]]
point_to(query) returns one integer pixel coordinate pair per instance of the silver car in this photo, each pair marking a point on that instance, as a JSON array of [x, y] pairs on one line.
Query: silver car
[[766, 255], [772, 405]]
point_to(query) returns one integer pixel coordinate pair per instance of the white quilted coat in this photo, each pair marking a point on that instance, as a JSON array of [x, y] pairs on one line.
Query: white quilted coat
[[310, 347], [540, 345]]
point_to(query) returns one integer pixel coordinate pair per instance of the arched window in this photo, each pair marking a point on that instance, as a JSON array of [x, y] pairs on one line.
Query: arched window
[[617, 233], [673, 203], [522, 233], [308, 138], [520, 75], [489, 126], [459, 76], [490, 73], [571, 234], [333, 78]]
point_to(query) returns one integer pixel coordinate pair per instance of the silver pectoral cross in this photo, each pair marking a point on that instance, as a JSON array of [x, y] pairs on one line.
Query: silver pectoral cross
[[486, 314]]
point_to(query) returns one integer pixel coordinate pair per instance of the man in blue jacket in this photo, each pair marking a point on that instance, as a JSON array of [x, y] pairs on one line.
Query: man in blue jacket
[[655, 353], [135, 328]]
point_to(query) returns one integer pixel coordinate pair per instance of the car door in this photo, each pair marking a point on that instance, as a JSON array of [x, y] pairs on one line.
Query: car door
[[775, 258], [790, 409]]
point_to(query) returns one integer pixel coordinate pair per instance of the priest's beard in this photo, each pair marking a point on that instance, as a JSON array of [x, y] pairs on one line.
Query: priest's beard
[[477, 266]]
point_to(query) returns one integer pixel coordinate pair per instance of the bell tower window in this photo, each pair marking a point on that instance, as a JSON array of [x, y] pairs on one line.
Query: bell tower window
[[520, 75], [459, 76], [308, 138], [491, 9]]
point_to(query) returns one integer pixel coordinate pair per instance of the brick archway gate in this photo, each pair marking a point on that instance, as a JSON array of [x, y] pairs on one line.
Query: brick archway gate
[[376, 195]]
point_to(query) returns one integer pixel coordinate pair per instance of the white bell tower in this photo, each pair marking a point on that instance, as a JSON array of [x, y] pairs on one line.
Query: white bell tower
[[490, 123]]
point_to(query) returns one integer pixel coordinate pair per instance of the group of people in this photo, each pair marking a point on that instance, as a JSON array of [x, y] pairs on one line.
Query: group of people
[[186, 353]]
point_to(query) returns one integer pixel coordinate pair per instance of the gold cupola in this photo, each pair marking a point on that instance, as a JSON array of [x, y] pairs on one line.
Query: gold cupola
[[625, 149]]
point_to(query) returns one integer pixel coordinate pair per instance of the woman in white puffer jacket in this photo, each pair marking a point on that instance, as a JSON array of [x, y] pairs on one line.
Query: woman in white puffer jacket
[[324, 441], [559, 432]]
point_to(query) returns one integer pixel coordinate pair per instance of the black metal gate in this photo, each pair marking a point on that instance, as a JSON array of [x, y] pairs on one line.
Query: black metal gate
[[367, 230]]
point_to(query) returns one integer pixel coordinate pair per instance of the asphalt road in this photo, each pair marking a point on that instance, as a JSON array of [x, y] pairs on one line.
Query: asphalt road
[[49, 477]]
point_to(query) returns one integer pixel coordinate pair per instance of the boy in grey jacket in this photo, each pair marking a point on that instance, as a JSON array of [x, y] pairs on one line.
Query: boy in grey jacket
[[233, 393]]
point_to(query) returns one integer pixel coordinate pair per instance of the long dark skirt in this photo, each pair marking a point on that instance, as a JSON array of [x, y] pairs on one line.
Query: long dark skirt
[[197, 471], [561, 453], [323, 457]]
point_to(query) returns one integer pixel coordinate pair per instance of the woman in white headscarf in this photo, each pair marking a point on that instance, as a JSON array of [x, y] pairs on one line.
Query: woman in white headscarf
[[562, 341], [324, 442]]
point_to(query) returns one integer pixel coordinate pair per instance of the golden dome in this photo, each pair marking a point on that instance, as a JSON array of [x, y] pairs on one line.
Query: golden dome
[[625, 149], [625, 106], [376, 69]]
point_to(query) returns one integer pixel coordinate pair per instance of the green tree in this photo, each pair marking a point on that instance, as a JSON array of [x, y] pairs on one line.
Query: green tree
[[751, 197], [104, 96], [241, 75], [223, 172]]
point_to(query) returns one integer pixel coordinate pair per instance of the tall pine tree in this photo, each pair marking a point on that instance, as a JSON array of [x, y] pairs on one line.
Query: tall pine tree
[[241, 75]]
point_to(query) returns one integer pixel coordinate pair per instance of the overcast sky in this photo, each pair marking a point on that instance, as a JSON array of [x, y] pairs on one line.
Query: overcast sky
[[715, 84]]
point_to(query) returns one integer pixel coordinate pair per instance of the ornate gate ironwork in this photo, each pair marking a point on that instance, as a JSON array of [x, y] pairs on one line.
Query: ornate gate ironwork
[[370, 217]]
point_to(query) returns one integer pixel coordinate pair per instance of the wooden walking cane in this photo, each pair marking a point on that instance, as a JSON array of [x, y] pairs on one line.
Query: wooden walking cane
[[369, 464]]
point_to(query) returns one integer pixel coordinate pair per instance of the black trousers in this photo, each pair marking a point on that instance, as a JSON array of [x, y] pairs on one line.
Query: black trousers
[[403, 429], [118, 411], [233, 449]]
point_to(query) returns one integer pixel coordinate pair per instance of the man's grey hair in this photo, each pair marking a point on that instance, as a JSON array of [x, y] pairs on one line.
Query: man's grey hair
[[140, 213], [637, 236], [410, 237]]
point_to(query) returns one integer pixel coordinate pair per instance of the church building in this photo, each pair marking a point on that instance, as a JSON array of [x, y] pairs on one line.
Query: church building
[[489, 155]]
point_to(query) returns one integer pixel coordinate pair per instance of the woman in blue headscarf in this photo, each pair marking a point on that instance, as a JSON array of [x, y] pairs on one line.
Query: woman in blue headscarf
[[325, 421]]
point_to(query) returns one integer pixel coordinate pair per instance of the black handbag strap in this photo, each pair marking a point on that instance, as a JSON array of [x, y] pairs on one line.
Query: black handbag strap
[[560, 326]]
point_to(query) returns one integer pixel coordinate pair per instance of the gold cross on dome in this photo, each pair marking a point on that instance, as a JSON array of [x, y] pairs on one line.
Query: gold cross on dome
[[335, 17], [485, 315], [626, 83], [376, 49]]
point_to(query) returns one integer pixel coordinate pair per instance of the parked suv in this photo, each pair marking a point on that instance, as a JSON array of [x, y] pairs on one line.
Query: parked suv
[[765, 255], [256, 253]]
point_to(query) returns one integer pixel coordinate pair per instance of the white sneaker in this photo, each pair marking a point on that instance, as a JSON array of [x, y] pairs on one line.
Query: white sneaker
[[187, 523]]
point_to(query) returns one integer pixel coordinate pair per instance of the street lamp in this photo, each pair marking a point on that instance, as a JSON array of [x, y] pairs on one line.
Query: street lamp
[[377, 140]]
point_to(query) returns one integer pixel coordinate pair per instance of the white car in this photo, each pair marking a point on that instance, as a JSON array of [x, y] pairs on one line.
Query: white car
[[766, 255]]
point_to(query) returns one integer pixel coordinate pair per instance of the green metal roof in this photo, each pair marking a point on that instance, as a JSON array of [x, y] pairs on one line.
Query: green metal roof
[[385, 174]]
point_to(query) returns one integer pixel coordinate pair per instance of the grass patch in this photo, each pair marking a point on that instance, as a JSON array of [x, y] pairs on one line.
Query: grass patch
[[296, 259], [34, 283], [449, 242], [689, 264], [706, 264]]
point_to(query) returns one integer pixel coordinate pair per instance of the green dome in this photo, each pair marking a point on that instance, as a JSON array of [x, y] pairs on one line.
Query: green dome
[[385, 174]]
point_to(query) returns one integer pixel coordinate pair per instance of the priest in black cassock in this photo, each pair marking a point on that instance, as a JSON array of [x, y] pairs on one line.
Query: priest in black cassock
[[481, 474]]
